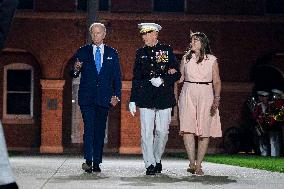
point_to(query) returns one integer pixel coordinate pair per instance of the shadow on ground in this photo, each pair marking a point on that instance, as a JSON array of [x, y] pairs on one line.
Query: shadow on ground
[[84, 176], [161, 178], [144, 180]]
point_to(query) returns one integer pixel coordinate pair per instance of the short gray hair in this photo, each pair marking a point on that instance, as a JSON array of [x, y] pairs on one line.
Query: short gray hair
[[97, 24]]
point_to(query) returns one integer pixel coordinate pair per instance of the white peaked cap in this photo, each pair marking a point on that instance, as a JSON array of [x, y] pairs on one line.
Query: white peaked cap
[[262, 93], [149, 27], [277, 91]]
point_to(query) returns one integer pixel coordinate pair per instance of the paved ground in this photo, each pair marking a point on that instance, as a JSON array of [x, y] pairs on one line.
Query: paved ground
[[127, 172]]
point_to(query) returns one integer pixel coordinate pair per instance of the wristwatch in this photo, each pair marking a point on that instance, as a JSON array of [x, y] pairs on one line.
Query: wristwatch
[[117, 98]]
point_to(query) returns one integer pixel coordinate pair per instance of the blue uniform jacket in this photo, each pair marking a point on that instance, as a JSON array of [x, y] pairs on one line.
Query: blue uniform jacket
[[98, 88]]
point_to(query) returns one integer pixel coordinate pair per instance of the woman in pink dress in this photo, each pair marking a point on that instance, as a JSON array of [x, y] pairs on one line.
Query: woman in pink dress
[[199, 100]]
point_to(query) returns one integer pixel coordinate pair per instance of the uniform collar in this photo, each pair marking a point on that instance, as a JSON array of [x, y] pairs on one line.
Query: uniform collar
[[157, 44]]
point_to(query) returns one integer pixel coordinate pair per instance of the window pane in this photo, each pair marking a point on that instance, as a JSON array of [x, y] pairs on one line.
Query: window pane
[[82, 5], [275, 6], [169, 5], [103, 5], [18, 80], [18, 103], [25, 4]]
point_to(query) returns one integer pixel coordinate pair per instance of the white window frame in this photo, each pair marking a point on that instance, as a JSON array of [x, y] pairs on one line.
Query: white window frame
[[15, 117]]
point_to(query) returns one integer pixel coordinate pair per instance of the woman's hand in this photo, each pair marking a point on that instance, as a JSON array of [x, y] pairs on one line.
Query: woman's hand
[[215, 105], [186, 54]]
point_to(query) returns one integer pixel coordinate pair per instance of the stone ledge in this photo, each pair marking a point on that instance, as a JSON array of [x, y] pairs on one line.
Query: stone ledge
[[130, 150], [51, 149], [52, 84]]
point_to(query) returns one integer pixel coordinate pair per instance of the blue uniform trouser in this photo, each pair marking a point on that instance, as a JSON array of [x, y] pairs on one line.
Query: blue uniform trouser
[[94, 118]]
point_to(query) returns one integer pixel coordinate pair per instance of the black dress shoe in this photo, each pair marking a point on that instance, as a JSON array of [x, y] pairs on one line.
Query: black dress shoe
[[87, 168], [158, 167], [96, 168], [9, 186], [151, 170]]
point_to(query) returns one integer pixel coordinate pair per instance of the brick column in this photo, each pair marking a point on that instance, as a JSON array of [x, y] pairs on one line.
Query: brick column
[[130, 138], [51, 116]]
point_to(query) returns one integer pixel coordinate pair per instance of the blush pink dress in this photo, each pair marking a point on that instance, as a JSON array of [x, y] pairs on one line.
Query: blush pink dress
[[195, 100]]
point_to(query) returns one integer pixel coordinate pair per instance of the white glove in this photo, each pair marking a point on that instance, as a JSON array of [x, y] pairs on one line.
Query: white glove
[[132, 108], [156, 81]]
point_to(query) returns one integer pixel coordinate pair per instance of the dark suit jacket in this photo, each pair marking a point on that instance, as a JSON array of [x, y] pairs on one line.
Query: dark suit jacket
[[98, 88], [154, 62]]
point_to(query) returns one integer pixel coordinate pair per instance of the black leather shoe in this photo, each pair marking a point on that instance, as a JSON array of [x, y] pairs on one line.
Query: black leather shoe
[[96, 168], [87, 168], [151, 170], [158, 167], [9, 186]]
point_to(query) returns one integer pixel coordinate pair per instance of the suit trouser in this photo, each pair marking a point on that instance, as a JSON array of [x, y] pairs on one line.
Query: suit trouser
[[94, 118], [6, 175], [154, 146]]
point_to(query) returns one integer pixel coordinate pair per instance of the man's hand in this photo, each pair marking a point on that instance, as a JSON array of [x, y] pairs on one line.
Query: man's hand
[[78, 65], [156, 81], [172, 71], [114, 100], [132, 108]]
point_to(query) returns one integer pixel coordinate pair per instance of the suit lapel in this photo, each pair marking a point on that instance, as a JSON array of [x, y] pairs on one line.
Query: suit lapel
[[90, 53], [106, 52], [92, 58]]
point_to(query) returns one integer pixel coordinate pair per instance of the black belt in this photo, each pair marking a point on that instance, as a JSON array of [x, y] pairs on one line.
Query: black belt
[[202, 83]]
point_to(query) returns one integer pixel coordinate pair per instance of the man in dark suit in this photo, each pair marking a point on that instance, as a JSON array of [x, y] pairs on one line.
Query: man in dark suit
[[7, 181], [100, 88], [154, 75]]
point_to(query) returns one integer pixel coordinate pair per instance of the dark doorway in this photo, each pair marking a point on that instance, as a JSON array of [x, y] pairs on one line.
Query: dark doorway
[[267, 77]]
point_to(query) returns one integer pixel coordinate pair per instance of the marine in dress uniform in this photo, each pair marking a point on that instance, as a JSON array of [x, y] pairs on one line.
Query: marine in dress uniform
[[153, 92]]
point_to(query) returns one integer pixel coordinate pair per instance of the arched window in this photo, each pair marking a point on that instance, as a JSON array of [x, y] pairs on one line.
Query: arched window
[[169, 5], [103, 5], [26, 4], [18, 91]]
